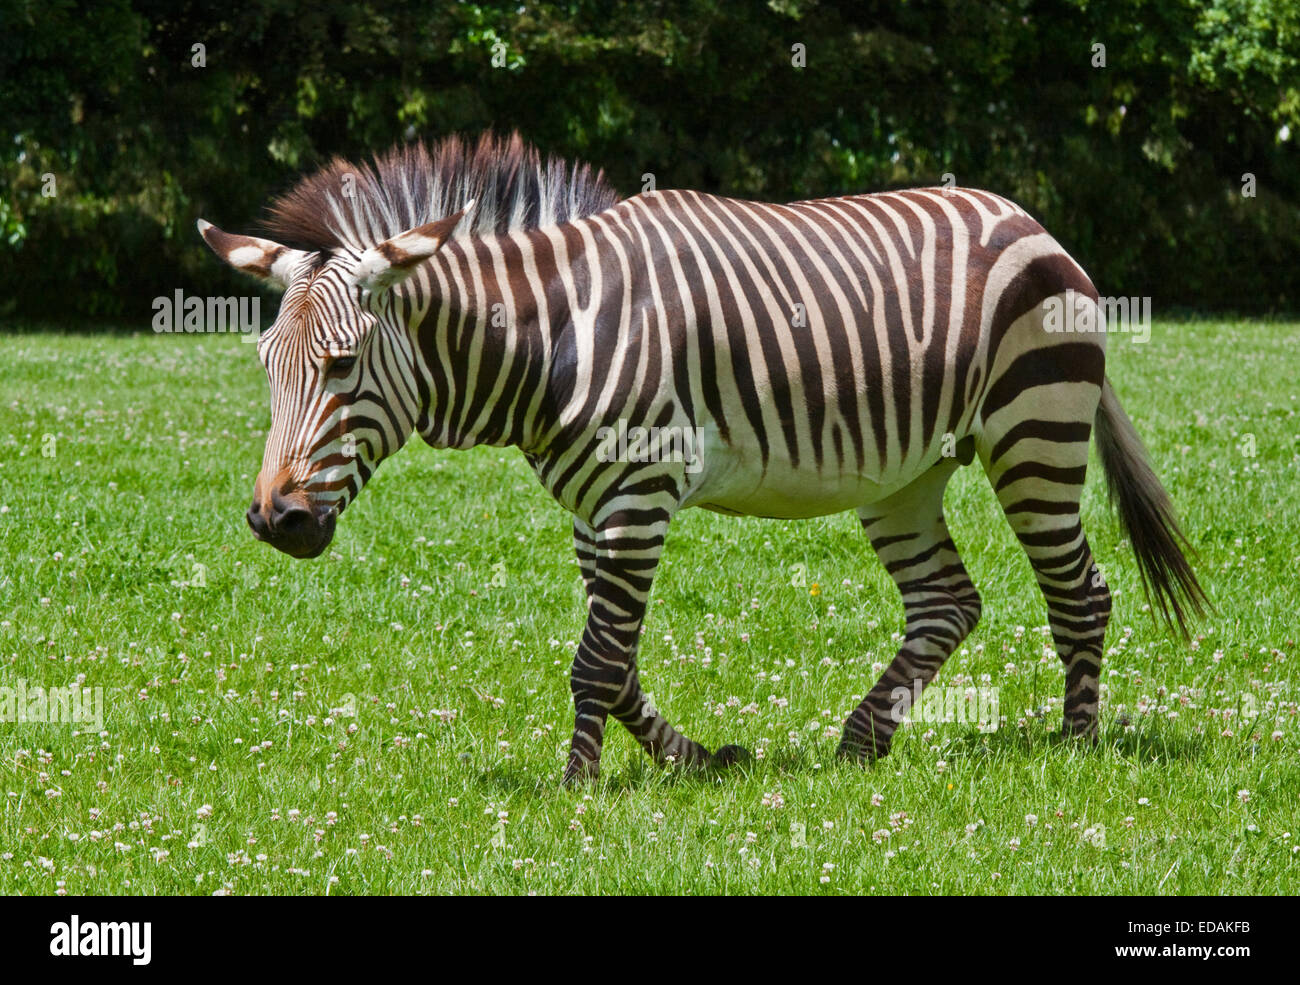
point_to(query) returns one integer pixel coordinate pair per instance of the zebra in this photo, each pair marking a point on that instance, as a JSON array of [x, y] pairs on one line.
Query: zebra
[[827, 355]]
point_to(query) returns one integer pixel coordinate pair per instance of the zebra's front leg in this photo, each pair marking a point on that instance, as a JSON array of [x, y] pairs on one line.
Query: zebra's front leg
[[605, 679]]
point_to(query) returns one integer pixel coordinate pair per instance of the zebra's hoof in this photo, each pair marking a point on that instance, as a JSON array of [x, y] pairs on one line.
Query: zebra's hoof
[[1086, 732], [578, 772], [728, 756], [863, 753]]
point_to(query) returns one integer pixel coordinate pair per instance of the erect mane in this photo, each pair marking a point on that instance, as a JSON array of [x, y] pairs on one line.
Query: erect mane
[[358, 206]]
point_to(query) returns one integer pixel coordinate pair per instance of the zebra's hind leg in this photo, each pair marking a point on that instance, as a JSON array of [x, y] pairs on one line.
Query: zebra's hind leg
[[911, 538], [618, 562], [1034, 448], [1041, 502], [584, 546]]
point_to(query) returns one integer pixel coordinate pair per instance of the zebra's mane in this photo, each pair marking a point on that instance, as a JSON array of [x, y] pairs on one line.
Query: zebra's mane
[[358, 206]]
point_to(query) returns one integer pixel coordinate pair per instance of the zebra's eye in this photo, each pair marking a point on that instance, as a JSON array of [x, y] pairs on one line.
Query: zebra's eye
[[341, 365]]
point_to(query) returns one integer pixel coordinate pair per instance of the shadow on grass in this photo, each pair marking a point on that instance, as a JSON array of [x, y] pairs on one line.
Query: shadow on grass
[[638, 772], [1135, 744]]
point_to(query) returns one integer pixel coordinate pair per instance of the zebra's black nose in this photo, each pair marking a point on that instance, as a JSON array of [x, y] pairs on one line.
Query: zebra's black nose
[[288, 524], [293, 523]]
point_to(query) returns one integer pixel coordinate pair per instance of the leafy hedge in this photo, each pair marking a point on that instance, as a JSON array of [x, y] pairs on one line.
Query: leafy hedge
[[1137, 166]]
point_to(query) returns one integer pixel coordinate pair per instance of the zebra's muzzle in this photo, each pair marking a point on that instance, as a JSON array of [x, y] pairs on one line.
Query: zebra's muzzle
[[289, 524]]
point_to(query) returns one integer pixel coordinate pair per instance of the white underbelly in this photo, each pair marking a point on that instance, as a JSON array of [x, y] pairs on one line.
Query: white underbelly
[[786, 504], [731, 481]]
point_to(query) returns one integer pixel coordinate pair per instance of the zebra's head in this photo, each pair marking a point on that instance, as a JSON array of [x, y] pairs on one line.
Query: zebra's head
[[340, 362]]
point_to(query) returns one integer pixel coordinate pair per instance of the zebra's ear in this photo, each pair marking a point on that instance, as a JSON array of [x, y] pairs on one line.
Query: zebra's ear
[[261, 258], [392, 261]]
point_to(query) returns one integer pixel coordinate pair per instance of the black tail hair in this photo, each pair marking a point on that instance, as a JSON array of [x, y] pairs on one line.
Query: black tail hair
[[1147, 516]]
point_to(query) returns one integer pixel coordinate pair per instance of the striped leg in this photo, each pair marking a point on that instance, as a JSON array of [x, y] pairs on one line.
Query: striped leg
[[1041, 502], [1078, 601], [605, 679], [1078, 608], [584, 545], [912, 540]]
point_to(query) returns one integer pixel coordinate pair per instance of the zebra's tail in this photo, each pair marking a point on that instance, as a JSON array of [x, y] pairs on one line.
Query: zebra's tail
[[1147, 516]]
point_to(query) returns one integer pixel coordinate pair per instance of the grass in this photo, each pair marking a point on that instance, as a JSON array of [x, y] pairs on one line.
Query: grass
[[393, 717]]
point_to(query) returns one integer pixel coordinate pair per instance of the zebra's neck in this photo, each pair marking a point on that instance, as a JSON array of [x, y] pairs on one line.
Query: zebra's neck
[[485, 312]]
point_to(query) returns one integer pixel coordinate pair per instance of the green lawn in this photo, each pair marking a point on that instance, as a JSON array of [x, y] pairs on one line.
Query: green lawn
[[366, 722]]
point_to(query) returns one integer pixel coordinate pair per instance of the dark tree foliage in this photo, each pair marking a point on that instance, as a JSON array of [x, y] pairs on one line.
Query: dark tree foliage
[[1170, 170]]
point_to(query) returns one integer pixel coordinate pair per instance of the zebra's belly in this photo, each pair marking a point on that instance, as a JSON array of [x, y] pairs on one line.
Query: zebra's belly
[[742, 487]]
